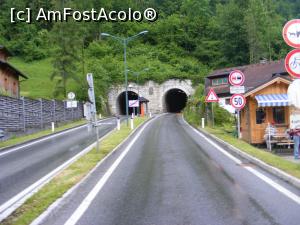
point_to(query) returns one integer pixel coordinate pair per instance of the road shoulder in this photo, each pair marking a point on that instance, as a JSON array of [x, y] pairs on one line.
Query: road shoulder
[[263, 165]]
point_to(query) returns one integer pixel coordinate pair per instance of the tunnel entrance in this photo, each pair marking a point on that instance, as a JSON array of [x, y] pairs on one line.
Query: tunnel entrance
[[175, 100], [122, 102]]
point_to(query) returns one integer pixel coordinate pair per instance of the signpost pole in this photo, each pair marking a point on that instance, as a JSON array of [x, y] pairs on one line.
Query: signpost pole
[[97, 133], [238, 123], [212, 114]]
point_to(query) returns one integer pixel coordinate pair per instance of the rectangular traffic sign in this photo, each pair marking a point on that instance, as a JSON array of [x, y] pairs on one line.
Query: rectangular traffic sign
[[134, 103], [71, 104], [237, 89]]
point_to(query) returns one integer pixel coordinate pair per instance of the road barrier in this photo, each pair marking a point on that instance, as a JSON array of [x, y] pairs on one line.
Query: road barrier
[[20, 114]]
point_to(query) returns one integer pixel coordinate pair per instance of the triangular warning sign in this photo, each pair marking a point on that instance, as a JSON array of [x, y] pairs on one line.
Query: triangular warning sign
[[211, 96]]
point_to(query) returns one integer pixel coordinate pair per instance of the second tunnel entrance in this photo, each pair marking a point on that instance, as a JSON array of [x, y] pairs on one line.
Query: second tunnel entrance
[[175, 100]]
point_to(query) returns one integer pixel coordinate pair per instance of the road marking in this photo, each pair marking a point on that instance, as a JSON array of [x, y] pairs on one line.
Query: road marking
[[12, 204], [236, 160], [77, 214], [278, 187], [266, 179], [43, 139]]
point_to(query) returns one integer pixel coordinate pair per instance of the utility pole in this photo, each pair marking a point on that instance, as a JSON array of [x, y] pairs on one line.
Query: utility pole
[[91, 94]]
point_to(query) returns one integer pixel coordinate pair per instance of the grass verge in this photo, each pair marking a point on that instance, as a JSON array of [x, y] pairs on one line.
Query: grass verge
[[40, 201], [21, 139], [269, 158]]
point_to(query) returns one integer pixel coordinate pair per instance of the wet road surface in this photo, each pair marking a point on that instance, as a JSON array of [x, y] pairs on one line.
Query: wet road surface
[[173, 176], [19, 169]]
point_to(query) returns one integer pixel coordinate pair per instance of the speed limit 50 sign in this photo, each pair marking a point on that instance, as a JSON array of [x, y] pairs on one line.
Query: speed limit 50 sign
[[238, 101]]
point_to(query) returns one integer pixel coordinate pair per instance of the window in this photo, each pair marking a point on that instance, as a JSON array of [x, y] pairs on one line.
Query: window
[[227, 101], [151, 91], [220, 81], [279, 115], [260, 116]]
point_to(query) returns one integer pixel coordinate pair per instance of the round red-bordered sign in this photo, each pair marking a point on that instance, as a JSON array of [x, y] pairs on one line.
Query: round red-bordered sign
[[291, 33], [238, 101], [292, 63], [236, 78]]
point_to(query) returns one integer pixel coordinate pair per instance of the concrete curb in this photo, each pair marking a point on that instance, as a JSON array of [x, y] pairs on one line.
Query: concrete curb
[[39, 220], [273, 170]]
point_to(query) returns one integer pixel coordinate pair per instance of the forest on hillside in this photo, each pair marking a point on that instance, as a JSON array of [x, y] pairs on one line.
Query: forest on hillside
[[189, 39]]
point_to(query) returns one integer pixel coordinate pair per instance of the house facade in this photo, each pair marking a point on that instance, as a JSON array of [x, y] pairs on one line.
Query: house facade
[[9, 76], [267, 103]]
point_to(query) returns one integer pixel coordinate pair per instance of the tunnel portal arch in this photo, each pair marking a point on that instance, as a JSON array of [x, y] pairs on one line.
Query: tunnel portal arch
[[152, 91], [121, 102], [174, 100]]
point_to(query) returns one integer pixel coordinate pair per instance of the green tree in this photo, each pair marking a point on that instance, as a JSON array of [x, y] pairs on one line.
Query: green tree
[[66, 55]]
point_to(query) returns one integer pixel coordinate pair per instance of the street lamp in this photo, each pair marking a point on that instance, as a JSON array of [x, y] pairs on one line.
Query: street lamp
[[137, 82], [125, 41]]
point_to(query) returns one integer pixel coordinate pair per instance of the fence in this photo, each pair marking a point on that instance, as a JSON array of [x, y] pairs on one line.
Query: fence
[[23, 113]]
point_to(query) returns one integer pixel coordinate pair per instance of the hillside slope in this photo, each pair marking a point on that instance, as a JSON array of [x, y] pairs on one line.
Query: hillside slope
[[39, 84]]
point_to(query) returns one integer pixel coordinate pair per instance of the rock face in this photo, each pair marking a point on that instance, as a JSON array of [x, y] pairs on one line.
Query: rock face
[[152, 91]]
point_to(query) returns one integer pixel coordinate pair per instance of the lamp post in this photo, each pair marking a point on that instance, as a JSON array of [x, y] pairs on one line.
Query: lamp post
[[125, 41], [137, 82]]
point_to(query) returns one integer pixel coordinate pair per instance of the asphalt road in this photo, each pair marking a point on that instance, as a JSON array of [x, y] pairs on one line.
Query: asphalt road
[[22, 167], [173, 176]]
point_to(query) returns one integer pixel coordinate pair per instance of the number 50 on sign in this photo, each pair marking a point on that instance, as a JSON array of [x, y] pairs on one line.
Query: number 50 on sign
[[238, 101]]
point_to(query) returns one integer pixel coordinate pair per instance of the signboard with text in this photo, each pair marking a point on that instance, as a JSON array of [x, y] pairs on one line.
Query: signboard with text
[[237, 89], [71, 104]]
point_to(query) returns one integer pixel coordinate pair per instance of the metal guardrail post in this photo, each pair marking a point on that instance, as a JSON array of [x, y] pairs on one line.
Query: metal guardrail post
[[54, 109], [41, 111], [64, 110]]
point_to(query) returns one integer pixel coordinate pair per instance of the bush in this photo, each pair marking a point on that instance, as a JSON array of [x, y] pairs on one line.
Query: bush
[[197, 108]]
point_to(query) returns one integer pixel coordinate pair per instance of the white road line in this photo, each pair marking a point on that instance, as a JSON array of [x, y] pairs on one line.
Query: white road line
[[77, 214], [236, 160], [12, 204], [11, 150], [266, 179], [278, 187]]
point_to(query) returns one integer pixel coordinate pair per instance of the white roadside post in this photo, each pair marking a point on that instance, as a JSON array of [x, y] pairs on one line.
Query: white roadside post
[[131, 123], [52, 127], [118, 123], [91, 94], [202, 122]]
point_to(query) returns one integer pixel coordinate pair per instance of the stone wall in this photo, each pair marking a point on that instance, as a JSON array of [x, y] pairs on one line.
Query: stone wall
[[152, 91]]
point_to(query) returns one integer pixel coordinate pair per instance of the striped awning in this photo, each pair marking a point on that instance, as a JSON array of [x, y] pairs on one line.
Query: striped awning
[[272, 100]]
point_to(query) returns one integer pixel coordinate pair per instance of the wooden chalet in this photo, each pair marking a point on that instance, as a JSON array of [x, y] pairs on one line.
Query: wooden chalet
[[9, 76], [266, 95]]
